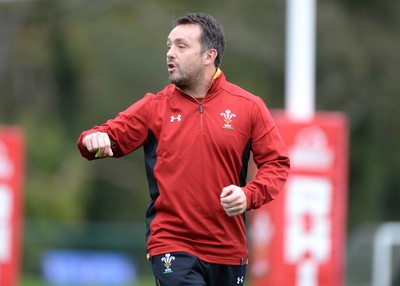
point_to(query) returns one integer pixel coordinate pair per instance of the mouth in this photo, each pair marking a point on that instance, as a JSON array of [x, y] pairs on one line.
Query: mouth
[[171, 67]]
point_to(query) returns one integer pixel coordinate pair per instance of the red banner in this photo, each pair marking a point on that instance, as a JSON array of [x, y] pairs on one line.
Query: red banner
[[12, 157], [299, 239]]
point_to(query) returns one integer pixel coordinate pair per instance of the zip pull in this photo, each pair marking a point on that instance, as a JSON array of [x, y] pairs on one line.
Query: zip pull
[[201, 114]]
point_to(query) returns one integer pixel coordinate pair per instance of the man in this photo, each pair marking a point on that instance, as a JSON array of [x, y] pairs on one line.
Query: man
[[197, 135]]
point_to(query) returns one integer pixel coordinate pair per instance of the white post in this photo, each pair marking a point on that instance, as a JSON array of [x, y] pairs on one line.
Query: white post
[[300, 59], [386, 237]]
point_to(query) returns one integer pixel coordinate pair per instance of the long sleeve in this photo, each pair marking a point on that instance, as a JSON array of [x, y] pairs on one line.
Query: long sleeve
[[127, 131], [271, 158]]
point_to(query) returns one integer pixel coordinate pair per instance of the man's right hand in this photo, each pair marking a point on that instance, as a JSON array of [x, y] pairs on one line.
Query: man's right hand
[[98, 142]]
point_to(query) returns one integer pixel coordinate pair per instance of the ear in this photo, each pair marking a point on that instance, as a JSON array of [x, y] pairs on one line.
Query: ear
[[210, 56]]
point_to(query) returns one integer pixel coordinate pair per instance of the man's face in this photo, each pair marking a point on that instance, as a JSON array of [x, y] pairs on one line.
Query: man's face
[[184, 58]]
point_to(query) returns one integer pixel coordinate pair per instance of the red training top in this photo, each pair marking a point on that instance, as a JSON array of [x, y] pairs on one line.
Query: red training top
[[193, 149]]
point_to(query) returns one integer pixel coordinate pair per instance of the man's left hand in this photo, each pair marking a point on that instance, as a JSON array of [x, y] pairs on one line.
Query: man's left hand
[[233, 200]]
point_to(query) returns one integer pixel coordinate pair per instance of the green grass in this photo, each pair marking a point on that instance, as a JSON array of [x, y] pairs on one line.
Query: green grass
[[29, 280]]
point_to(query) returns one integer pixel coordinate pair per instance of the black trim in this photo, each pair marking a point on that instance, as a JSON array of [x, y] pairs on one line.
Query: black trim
[[243, 179], [150, 158], [245, 164]]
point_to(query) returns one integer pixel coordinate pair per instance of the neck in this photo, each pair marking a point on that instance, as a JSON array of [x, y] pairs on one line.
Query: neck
[[200, 88]]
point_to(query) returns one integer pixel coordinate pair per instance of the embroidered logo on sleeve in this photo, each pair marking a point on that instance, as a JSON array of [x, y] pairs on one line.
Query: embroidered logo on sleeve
[[167, 259], [228, 117]]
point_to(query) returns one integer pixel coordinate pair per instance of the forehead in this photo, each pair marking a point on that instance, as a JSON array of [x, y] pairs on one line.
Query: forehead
[[185, 32]]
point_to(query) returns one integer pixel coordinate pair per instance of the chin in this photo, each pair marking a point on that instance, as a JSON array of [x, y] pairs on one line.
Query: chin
[[177, 81], [173, 79]]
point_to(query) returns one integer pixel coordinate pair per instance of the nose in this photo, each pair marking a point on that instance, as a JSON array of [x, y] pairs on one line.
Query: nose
[[170, 53]]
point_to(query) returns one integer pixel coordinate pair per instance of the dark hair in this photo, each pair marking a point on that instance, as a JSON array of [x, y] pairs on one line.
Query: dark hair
[[212, 36]]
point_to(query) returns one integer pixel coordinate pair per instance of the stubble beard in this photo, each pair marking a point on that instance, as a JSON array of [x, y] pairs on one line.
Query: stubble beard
[[186, 79], [179, 79], [183, 79]]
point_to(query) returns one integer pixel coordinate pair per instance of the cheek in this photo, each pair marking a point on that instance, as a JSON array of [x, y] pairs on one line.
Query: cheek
[[195, 64]]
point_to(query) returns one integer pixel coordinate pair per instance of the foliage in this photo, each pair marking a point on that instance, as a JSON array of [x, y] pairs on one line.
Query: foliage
[[68, 65], [358, 66]]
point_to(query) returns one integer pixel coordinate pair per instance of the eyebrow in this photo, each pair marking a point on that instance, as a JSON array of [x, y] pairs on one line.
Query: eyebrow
[[177, 40]]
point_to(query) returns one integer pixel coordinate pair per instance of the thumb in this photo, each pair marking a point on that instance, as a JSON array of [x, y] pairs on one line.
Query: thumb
[[110, 152], [226, 191]]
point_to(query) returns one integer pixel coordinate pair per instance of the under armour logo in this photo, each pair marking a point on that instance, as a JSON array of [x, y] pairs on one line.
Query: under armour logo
[[173, 118], [240, 280]]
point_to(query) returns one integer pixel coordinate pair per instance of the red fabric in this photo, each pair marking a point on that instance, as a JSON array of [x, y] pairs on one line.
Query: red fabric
[[199, 151]]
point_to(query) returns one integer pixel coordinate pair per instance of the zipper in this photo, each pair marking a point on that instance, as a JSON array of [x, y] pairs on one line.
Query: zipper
[[201, 114], [216, 75], [201, 108]]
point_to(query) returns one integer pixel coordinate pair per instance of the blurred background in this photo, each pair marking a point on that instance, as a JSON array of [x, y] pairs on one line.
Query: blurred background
[[68, 65]]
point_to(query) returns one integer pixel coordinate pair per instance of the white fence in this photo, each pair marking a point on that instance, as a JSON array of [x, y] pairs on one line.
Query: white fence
[[373, 255]]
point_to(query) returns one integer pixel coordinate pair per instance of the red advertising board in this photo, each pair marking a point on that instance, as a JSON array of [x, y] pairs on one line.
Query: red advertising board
[[11, 183], [299, 239]]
